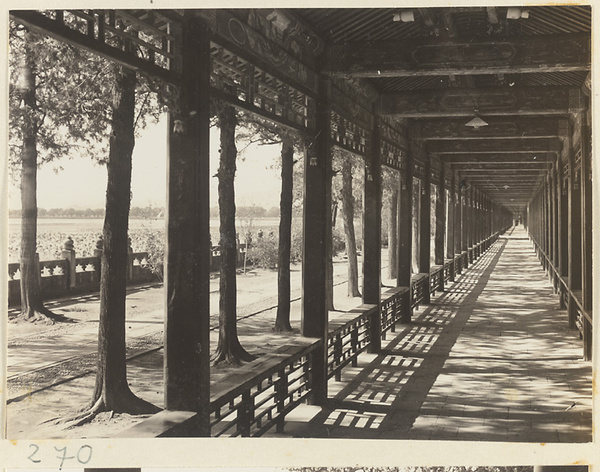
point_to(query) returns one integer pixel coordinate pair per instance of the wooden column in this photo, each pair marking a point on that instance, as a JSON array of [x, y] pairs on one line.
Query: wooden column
[[317, 231], [425, 227], [450, 225], [458, 215], [482, 222], [372, 237], [574, 225], [586, 229], [563, 221], [555, 213], [187, 267], [469, 221], [477, 222], [405, 225], [492, 209], [488, 217], [555, 235], [548, 217], [464, 245], [440, 220], [473, 224], [440, 225], [485, 216], [563, 200]]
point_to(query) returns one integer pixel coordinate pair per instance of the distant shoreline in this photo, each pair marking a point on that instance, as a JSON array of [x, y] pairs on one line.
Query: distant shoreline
[[73, 224]]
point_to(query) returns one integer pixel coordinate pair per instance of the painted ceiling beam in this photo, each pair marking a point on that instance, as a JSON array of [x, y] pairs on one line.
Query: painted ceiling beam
[[494, 145], [499, 157], [498, 127], [409, 58], [492, 101], [492, 166]]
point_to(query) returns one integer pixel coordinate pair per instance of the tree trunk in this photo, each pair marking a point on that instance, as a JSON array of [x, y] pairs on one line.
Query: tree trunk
[[393, 235], [329, 266], [111, 392], [348, 218], [229, 350], [32, 307], [282, 320]]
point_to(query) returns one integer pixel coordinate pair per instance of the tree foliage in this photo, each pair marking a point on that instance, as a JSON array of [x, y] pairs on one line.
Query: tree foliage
[[70, 114], [75, 91]]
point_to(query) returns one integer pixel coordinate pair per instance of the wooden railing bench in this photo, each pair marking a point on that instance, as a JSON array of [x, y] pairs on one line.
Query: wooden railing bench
[[163, 425]]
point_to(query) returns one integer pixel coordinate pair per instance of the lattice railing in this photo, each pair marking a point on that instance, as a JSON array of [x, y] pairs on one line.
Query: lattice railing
[[449, 270], [419, 287], [436, 279], [345, 343], [256, 404], [393, 307]]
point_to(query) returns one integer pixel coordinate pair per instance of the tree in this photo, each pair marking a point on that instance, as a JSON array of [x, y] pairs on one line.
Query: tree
[[347, 200], [49, 105], [229, 350], [329, 305], [111, 391], [32, 308], [73, 113], [390, 184], [265, 133], [282, 319], [57, 110]]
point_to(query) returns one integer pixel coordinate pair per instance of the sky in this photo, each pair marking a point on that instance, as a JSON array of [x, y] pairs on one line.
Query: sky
[[81, 183]]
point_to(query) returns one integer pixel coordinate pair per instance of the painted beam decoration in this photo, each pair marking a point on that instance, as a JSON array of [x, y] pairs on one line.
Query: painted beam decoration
[[351, 120], [394, 144], [499, 157], [498, 127], [256, 64], [494, 145], [447, 175], [373, 59], [435, 168], [252, 46], [542, 101], [349, 135], [419, 158]]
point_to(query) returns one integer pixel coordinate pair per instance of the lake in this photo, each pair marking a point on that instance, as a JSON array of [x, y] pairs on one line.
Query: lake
[[78, 225]]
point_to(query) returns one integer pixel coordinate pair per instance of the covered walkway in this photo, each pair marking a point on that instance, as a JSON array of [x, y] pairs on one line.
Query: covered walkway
[[472, 120], [490, 359]]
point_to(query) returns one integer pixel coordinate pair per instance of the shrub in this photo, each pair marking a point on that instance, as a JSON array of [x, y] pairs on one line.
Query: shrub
[[264, 252], [296, 248], [338, 243], [153, 242]]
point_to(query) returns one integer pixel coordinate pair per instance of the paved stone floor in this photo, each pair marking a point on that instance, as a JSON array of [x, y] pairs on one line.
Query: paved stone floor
[[490, 359]]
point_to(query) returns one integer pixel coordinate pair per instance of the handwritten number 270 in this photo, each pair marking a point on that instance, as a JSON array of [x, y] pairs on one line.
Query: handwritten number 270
[[83, 456]]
